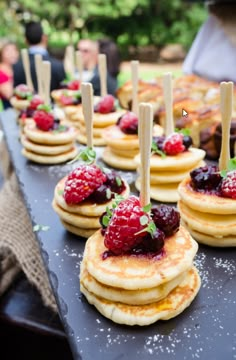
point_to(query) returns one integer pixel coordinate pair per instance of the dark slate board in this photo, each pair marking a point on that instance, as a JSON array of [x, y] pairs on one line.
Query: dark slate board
[[206, 330]]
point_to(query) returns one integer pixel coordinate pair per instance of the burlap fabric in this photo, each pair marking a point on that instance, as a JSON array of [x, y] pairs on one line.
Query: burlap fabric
[[18, 246]]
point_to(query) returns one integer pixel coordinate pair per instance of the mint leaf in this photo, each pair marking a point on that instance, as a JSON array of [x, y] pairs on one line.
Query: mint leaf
[[147, 207], [108, 211], [44, 107], [232, 164], [40, 228], [118, 181], [161, 153], [144, 220], [60, 129], [88, 155], [154, 146], [105, 220], [151, 228], [60, 191], [223, 173], [108, 193], [185, 132]]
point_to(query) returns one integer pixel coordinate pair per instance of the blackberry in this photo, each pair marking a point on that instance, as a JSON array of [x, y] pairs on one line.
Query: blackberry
[[99, 195], [159, 141], [114, 182], [205, 178], [166, 218], [150, 244], [187, 141]]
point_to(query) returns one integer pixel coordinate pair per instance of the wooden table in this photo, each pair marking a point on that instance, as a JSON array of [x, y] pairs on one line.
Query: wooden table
[[206, 330]]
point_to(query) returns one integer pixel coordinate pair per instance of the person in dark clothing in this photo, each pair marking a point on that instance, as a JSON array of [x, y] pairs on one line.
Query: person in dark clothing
[[37, 42]]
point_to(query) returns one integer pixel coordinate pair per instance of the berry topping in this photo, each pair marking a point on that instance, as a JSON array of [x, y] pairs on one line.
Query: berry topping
[[101, 194], [206, 178], [115, 183], [228, 185], [150, 243], [125, 230], [43, 118], [73, 85], [187, 141], [22, 91], [35, 102], [105, 105], [173, 144], [166, 218], [82, 182], [159, 141], [128, 123]]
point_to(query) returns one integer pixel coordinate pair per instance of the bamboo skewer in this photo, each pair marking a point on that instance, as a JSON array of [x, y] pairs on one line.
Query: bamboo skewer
[[46, 69], [226, 107], [134, 79], [145, 140], [26, 65], [69, 60], [38, 67], [87, 105], [102, 68], [168, 99], [79, 65]]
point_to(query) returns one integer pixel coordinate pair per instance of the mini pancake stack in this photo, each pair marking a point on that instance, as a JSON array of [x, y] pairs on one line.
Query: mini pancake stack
[[100, 122], [122, 147], [49, 147], [19, 100], [211, 219], [139, 290], [80, 219], [167, 172]]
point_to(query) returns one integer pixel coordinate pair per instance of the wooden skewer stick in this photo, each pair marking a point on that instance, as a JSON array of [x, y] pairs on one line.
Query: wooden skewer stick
[[46, 68], [38, 67], [26, 65], [69, 60], [102, 68], [168, 98], [226, 107], [145, 140], [134, 76], [87, 105], [79, 65]]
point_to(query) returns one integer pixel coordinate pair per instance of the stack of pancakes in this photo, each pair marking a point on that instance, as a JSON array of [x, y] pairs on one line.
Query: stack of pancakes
[[100, 122], [81, 219], [48, 147], [139, 289], [122, 148], [210, 219], [167, 172]]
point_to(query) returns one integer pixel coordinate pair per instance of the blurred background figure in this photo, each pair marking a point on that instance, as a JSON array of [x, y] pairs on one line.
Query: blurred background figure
[[90, 50], [37, 42], [9, 55], [213, 52]]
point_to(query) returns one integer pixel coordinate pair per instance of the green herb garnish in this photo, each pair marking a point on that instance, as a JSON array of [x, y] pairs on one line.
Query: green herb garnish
[[40, 228], [88, 155], [155, 150], [147, 207], [230, 167], [185, 132]]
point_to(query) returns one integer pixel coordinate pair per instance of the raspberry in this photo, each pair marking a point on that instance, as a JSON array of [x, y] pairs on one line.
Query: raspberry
[[35, 102], [73, 85], [66, 100], [22, 91], [121, 234], [228, 185], [205, 178], [44, 120], [82, 182], [105, 105], [166, 218], [128, 123], [173, 144]]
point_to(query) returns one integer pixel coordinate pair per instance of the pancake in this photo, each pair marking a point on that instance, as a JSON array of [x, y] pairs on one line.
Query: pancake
[[70, 110], [116, 139], [104, 120], [184, 161], [19, 104], [210, 224], [45, 149], [97, 132], [82, 139], [225, 241], [177, 300], [125, 153], [204, 202], [84, 208], [85, 233], [131, 297], [134, 272], [167, 192], [80, 221], [118, 162], [50, 137], [50, 159], [163, 177]]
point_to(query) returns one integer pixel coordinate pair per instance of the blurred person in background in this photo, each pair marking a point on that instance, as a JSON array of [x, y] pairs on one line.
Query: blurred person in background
[[89, 51], [9, 55], [37, 42], [213, 52]]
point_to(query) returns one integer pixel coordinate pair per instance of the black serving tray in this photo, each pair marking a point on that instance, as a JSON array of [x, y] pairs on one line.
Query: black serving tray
[[206, 330]]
